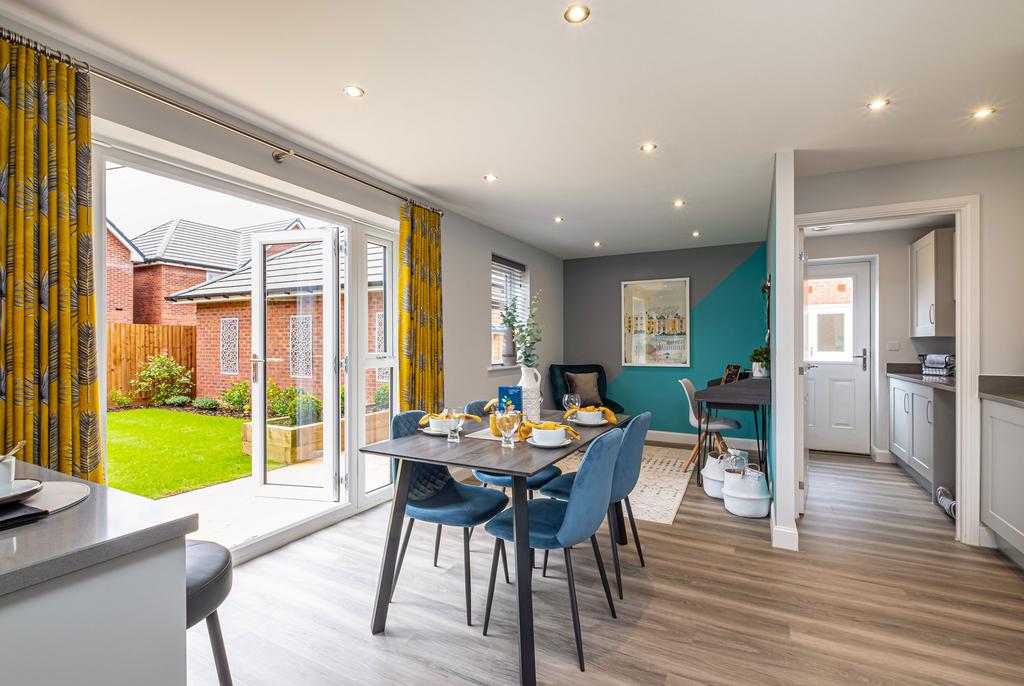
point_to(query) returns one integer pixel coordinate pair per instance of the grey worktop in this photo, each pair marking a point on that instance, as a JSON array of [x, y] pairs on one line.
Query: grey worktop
[[946, 383], [1002, 389], [107, 524]]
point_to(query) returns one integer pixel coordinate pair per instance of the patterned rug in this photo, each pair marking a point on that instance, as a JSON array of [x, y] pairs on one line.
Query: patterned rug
[[661, 486]]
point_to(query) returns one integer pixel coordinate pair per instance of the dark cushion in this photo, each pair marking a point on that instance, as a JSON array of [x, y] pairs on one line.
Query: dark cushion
[[559, 488], [584, 385], [207, 579], [505, 480], [458, 504], [545, 520], [559, 386]]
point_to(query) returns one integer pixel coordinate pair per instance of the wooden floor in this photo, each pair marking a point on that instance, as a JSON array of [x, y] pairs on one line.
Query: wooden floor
[[879, 593]]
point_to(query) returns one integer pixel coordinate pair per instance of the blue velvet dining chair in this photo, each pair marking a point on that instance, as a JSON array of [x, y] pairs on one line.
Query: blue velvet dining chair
[[563, 524], [504, 481], [627, 473], [436, 497]]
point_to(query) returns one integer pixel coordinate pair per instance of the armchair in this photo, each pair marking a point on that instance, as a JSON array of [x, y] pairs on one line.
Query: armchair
[[560, 386]]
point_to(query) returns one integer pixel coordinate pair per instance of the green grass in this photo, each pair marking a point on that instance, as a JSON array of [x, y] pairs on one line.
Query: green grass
[[156, 453]]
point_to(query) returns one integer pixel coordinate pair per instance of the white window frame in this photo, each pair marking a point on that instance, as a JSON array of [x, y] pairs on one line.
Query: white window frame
[[811, 313], [229, 371]]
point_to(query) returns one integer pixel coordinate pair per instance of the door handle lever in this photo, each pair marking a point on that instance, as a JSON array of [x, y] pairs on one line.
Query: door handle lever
[[863, 357]]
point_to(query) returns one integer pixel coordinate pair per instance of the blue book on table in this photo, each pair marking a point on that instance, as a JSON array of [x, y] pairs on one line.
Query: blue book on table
[[513, 394]]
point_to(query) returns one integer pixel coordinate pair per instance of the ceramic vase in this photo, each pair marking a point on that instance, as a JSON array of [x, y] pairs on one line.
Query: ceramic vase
[[529, 381]]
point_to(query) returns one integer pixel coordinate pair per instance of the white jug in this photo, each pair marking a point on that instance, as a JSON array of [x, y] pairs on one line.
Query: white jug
[[529, 381]]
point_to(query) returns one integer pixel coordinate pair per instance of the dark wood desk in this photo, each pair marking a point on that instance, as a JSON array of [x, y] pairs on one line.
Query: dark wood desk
[[520, 462], [755, 394]]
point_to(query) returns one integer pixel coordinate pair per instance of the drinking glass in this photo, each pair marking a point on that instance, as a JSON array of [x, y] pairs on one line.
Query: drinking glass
[[508, 421], [455, 427], [571, 401]]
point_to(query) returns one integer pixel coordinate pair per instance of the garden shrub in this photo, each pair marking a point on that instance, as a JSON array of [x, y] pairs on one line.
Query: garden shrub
[[280, 400], [237, 396], [206, 404], [162, 377], [382, 397], [305, 409], [122, 400], [178, 401]]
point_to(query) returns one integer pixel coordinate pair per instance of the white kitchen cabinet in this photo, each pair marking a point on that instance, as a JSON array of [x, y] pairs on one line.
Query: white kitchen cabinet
[[922, 445], [932, 289], [900, 421], [1002, 471], [922, 431]]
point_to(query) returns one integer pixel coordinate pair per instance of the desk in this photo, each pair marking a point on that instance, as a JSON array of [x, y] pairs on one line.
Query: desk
[[520, 462], [755, 394]]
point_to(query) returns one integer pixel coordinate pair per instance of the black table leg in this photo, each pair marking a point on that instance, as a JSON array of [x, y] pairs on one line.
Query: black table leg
[[524, 581], [386, 578], [620, 524], [757, 438], [700, 443]]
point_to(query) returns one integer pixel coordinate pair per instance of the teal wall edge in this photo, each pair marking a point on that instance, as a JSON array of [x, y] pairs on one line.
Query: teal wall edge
[[726, 326]]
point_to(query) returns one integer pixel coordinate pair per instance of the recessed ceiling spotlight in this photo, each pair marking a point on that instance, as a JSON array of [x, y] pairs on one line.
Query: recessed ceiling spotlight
[[353, 91], [648, 147], [695, 234], [559, 219], [878, 104], [678, 202], [597, 244], [576, 13], [490, 178], [983, 112]]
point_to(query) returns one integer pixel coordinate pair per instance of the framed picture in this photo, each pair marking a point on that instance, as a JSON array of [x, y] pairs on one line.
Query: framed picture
[[656, 323]]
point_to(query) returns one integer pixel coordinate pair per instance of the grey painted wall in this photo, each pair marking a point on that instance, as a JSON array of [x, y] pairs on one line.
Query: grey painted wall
[[998, 177], [593, 306]]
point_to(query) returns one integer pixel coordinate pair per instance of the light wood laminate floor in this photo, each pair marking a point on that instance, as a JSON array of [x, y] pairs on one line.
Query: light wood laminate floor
[[879, 593]]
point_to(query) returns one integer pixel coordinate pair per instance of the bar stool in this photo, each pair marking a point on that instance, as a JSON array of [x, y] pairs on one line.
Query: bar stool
[[207, 584]]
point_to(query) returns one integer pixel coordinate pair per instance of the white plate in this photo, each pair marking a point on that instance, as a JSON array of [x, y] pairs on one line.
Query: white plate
[[23, 488], [567, 441], [431, 432], [579, 423]]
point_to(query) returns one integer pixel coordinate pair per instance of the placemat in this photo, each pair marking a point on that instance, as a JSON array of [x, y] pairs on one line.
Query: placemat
[[485, 434], [54, 497]]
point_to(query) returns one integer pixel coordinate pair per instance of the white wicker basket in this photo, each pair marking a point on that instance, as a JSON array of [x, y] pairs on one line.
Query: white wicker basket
[[747, 496]]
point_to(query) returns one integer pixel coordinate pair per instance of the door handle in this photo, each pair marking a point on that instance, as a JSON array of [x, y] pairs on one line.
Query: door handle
[[863, 357], [810, 365], [906, 403], [928, 412], [931, 313]]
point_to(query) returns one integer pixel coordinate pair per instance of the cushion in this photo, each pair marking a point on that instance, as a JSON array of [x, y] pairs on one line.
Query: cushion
[[585, 385], [545, 520], [505, 480], [207, 579]]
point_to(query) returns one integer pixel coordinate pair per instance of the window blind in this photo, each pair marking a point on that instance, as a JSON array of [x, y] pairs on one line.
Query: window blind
[[508, 282]]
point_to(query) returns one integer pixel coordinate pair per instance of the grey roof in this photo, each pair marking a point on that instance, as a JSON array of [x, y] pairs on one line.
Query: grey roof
[[296, 270], [182, 241], [112, 228]]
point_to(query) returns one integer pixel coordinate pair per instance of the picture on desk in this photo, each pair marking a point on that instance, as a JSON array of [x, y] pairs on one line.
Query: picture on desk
[[656, 323]]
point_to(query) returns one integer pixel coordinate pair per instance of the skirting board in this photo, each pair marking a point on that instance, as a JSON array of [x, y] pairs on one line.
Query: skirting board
[[675, 438], [784, 537], [882, 456]]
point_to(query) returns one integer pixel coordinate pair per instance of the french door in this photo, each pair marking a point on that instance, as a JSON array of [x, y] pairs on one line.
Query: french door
[[318, 393]]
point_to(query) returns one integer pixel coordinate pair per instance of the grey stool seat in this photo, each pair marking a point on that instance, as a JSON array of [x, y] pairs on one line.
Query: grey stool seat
[[207, 584]]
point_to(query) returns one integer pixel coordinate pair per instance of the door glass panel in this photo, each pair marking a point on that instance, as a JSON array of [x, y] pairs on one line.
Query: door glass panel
[[828, 312], [379, 376]]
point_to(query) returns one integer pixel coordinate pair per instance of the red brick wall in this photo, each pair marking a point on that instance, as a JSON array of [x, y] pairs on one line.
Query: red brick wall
[[119, 281], [153, 283], [832, 291]]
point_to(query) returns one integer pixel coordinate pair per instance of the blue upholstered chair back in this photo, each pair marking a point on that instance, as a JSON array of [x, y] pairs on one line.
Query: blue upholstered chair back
[[427, 479], [588, 500], [475, 408], [631, 454]]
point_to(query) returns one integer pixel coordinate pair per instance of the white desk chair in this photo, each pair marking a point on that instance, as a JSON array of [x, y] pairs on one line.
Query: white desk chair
[[713, 425]]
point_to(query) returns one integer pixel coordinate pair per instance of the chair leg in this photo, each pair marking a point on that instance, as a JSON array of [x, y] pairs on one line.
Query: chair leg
[[612, 534], [499, 550], [604, 575], [693, 456], [401, 556], [504, 563], [469, 583], [575, 608], [720, 443], [636, 534], [544, 569], [437, 544], [220, 656]]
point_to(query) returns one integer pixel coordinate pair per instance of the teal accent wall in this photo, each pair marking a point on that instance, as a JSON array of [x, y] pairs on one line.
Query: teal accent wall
[[726, 325]]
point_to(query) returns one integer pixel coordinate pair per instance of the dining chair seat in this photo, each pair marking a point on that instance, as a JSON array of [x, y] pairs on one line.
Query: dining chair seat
[[458, 504], [560, 487], [505, 480], [720, 424], [546, 517]]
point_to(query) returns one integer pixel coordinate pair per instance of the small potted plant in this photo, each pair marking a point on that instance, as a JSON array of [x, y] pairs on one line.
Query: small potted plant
[[760, 360]]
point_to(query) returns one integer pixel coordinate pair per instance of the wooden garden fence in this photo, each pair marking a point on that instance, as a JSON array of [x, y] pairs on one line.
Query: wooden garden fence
[[129, 345]]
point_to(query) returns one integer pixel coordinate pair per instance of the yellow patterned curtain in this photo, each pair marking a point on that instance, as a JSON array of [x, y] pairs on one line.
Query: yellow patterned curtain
[[48, 389], [420, 365]]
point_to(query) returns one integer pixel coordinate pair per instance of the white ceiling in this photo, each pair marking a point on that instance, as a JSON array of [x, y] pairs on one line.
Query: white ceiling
[[460, 88]]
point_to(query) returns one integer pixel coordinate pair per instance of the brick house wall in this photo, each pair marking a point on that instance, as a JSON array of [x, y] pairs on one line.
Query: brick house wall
[[831, 291], [210, 382], [120, 289], [153, 282]]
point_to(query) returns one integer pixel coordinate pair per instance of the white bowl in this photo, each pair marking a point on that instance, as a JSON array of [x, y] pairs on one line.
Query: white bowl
[[589, 418], [438, 425], [548, 436]]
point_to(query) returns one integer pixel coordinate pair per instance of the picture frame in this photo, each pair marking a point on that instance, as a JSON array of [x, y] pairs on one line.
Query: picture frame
[[655, 322]]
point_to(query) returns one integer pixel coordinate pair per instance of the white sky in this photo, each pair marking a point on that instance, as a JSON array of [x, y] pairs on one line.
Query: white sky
[[137, 201]]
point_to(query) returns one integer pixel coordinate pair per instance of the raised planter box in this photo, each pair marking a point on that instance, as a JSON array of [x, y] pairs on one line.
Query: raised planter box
[[292, 444]]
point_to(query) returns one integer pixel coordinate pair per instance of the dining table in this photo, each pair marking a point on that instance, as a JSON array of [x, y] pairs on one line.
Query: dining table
[[520, 462]]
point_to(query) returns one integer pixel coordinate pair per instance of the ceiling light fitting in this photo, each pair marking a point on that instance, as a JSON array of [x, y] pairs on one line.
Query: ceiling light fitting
[[878, 104], [983, 112], [353, 91], [648, 147], [678, 203], [576, 13], [490, 178]]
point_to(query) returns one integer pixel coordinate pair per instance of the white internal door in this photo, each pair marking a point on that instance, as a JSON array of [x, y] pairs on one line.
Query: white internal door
[[837, 354]]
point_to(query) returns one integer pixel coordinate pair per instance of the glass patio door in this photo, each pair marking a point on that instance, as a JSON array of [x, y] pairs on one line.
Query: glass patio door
[[298, 324]]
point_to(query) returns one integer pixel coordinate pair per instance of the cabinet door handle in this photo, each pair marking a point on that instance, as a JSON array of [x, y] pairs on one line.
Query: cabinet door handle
[[928, 412], [906, 403], [931, 313]]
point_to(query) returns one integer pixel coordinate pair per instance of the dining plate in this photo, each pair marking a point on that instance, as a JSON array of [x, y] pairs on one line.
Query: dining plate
[[23, 488], [529, 439], [579, 423], [430, 432]]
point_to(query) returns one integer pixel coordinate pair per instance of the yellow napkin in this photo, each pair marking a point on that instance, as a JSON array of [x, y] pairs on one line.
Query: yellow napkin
[[448, 415], [527, 427], [608, 414]]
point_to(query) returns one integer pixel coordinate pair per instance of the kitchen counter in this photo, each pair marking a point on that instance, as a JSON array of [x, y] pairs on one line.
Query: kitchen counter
[[107, 524], [946, 383], [1008, 390]]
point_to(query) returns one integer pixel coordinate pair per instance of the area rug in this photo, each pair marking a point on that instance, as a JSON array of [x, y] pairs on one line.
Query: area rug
[[661, 486]]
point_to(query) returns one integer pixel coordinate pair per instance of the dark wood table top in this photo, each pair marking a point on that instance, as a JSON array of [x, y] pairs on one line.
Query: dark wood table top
[[743, 392], [478, 453]]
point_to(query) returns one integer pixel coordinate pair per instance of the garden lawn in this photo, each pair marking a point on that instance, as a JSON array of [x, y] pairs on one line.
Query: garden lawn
[[156, 453]]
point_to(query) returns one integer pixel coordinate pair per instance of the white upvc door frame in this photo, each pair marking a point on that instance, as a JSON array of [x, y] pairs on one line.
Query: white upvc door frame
[[967, 210], [333, 475]]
